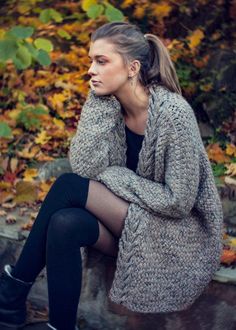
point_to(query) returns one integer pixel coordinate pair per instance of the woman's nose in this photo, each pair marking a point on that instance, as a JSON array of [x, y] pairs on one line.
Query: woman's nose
[[91, 70]]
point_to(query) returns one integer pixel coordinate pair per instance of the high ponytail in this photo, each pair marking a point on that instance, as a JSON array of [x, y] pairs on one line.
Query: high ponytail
[[161, 66], [130, 43]]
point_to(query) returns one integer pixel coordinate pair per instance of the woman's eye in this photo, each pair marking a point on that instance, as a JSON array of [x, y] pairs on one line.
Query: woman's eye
[[98, 61]]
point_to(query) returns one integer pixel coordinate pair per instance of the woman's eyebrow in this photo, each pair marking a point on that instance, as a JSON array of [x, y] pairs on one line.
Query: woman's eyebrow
[[96, 56]]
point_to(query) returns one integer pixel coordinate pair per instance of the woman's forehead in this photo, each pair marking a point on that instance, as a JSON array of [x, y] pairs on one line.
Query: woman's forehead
[[102, 47]]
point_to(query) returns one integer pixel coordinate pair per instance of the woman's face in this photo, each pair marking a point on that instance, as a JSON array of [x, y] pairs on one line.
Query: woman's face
[[107, 68]]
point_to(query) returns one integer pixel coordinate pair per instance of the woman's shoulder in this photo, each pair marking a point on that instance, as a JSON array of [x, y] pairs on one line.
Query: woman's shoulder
[[170, 100], [174, 105]]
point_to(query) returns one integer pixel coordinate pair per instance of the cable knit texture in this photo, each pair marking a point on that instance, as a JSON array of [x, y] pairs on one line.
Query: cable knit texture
[[170, 245]]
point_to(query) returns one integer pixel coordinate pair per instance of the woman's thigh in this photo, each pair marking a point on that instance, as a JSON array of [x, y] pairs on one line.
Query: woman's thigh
[[109, 208], [107, 243]]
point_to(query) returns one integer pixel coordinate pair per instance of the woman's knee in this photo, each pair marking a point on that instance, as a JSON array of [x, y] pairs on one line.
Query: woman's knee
[[67, 178], [72, 226], [73, 186]]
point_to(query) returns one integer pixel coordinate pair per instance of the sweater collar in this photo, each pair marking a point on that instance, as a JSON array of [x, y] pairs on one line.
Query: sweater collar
[[157, 96]]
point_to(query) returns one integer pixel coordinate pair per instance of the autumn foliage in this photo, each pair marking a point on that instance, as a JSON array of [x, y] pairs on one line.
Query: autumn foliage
[[44, 80]]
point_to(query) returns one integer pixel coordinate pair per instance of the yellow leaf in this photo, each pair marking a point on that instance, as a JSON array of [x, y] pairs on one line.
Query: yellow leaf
[[161, 9], [44, 188], [207, 87], [84, 37], [59, 123], [27, 153], [231, 149], [2, 33], [195, 38], [13, 114], [30, 174], [5, 185], [87, 3], [25, 192], [42, 138], [57, 100], [17, 131]]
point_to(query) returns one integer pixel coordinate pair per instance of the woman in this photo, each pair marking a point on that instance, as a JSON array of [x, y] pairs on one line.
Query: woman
[[142, 190]]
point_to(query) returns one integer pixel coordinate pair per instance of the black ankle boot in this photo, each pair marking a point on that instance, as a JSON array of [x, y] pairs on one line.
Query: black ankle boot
[[13, 294]]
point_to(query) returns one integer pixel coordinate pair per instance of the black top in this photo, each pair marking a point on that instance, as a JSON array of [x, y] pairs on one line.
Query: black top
[[134, 144]]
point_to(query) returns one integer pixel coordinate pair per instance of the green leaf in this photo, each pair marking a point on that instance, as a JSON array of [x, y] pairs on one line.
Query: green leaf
[[113, 14], [22, 58], [40, 111], [5, 130], [45, 16], [43, 57], [8, 49], [218, 169], [48, 15], [22, 32], [33, 51], [42, 43], [94, 11], [62, 33]]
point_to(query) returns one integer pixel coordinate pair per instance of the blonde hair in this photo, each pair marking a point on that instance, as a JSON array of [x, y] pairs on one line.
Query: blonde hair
[[156, 64]]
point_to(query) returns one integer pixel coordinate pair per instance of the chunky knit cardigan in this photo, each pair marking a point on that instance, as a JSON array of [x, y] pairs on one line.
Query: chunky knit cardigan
[[170, 245]]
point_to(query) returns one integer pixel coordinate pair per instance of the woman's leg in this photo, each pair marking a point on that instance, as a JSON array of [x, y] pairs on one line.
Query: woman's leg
[[77, 227], [68, 230], [109, 208], [69, 190], [72, 190]]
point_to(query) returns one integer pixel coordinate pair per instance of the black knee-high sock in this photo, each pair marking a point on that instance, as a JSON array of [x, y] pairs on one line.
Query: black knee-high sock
[[68, 230], [69, 190]]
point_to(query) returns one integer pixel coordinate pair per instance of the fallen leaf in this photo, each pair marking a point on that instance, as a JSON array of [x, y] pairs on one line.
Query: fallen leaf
[[25, 192], [8, 205], [10, 219], [3, 213]]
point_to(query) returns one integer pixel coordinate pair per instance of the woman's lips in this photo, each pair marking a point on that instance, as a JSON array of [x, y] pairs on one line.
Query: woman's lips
[[94, 82]]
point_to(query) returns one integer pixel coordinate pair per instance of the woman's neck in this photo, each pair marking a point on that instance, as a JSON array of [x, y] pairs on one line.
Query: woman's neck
[[134, 102]]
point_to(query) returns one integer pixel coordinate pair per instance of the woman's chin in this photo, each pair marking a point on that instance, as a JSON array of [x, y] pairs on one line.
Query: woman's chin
[[100, 92]]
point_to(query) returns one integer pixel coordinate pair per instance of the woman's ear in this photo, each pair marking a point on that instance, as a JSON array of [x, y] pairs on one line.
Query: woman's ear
[[134, 68]]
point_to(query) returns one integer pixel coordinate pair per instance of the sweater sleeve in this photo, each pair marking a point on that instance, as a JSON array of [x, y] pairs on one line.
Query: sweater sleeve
[[89, 151], [175, 197]]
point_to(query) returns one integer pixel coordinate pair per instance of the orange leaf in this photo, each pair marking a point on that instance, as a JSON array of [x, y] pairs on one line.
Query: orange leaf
[[5, 196], [195, 38], [216, 154], [228, 257]]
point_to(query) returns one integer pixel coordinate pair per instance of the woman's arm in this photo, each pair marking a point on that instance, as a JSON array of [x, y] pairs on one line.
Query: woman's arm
[[89, 151], [176, 196]]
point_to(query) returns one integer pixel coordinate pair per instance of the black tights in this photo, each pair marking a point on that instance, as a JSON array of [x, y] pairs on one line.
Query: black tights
[[62, 226]]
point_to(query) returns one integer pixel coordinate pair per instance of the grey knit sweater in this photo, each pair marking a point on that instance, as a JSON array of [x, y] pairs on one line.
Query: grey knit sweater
[[170, 245]]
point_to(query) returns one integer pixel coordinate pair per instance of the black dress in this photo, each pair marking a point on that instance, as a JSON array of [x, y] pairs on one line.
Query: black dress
[[134, 144]]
